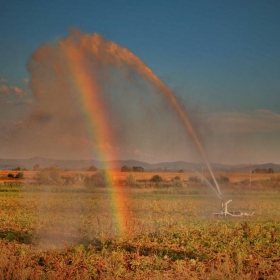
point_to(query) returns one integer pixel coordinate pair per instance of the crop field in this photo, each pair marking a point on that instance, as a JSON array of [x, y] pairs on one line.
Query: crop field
[[69, 231]]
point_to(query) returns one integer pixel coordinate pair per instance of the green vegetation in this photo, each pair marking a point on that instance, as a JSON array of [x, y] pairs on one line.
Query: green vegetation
[[72, 234], [264, 170], [156, 179], [92, 168], [49, 176], [126, 169], [19, 175], [131, 181], [194, 179], [133, 169], [17, 169], [98, 179]]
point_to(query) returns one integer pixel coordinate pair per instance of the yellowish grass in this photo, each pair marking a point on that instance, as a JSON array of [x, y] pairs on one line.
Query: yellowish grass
[[118, 175], [45, 234]]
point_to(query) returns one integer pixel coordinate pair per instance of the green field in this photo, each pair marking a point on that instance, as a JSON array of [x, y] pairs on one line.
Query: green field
[[69, 233]]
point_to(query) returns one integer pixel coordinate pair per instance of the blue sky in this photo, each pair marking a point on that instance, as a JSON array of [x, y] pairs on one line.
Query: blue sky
[[221, 58]]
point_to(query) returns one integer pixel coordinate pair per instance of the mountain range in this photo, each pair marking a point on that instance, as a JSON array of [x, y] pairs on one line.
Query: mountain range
[[6, 164]]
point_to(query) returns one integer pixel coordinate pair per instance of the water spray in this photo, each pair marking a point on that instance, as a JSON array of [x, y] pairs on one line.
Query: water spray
[[216, 190], [75, 62], [224, 211]]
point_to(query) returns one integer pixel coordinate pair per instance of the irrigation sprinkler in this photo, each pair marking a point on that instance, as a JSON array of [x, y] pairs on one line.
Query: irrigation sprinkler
[[224, 212]]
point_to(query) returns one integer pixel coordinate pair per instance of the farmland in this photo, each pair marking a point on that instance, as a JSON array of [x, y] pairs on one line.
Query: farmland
[[68, 232]]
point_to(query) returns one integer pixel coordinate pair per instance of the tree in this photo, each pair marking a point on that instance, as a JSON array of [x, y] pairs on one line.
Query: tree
[[125, 169], [99, 179], [156, 179], [222, 179], [194, 179], [17, 169], [270, 170], [263, 170], [177, 181], [49, 176], [92, 168], [137, 169], [19, 175]]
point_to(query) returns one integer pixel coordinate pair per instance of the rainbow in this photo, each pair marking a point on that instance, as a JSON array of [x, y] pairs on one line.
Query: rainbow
[[90, 101], [78, 51]]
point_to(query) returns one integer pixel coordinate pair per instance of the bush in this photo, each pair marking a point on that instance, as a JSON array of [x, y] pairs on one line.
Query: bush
[[194, 179], [17, 169], [131, 181], [270, 171], [19, 175], [92, 168], [10, 175], [49, 176], [99, 179], [77, 180], [137, 169], [125, 169], [177, 182], [223, 179], [156, 179]]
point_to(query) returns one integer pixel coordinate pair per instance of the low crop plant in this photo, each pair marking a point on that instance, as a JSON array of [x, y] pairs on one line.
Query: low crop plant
[[62, 234]]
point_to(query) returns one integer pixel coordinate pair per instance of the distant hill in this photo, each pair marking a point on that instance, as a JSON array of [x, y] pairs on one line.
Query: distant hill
[[275, 167], [168, 166], [44, 162]]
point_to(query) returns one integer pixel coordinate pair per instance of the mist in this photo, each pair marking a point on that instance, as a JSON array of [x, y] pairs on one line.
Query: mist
[[90, 97], [132, 101]]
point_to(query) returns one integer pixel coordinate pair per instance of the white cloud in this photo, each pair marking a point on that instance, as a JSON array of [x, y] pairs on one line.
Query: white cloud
[[18, 91], [253, 121], [4, 89]]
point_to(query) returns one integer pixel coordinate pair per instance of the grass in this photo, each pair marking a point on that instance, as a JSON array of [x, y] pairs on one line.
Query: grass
[[69, 233]]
